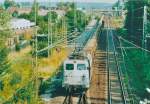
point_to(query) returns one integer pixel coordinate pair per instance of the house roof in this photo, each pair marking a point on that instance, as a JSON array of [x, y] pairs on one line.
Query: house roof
[[21, 23]]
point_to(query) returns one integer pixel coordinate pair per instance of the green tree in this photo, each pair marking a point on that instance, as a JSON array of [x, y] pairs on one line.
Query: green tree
[[4, 33], [60, 5], [15, 14], [9, 3], [115, 5], [34, 11], [77, 20], [134, 19], [66, 6], [51, 15]]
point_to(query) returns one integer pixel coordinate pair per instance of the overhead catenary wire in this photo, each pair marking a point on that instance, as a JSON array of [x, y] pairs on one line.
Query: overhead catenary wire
[[108, 70], [141, 8], [57, 43], [134, 44], [119, 72], [125, 66]]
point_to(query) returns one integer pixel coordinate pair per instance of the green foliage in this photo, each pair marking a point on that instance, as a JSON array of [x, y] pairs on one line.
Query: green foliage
[[122, 32], [22, 95], [43, 27], [16, 78], [9, 3], [4, 33], [67, 5], [17, 46], [138, 65], [3, 61], [70, 20], [42, 43], [138, 70], [24, 15], [53, 15], [4, 26], [60, 5], [42, 21], [44, 85], [80, 21], [134, 19], [15, 14], [34, 11], [1, 85], [116, 5]]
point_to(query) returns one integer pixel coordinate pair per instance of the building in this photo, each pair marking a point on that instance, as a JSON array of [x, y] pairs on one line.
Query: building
[[22, 32]]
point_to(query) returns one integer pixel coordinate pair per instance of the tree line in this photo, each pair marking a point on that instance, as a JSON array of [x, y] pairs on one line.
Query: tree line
[[137, 62]]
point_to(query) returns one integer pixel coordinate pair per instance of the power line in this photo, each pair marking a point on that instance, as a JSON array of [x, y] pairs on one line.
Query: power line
[[59, 42], [134, 44], [125, 67], [138, 9]]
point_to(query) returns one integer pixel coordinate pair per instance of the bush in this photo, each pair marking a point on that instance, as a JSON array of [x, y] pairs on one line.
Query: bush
[[17, 47], [16, 78], [1, 85]]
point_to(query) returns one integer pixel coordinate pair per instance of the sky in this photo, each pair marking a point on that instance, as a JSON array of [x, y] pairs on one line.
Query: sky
[[101, 1]]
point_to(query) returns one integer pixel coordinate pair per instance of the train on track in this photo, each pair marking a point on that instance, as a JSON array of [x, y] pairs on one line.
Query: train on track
[[78, 67]]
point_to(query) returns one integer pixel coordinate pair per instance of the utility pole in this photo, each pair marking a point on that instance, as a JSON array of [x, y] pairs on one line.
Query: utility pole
[[118, 8], [64, 28], [132, 18], [48, 35], [35, 58], [75, 22], [144, 40]]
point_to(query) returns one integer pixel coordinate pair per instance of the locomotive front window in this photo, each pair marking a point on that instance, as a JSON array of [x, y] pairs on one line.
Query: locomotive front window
[[69, 66], [81, 67]]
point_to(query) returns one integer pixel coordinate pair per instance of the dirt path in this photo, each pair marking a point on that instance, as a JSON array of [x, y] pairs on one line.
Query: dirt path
[[97, 94]]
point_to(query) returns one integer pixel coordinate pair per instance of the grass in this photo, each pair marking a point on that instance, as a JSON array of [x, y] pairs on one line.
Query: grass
[[48, 66], [22, 71], [117, 22], [21, 66]]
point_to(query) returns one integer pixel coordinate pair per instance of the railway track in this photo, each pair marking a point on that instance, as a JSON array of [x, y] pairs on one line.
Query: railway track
[[81, 99], [97, 93], [116, 90], [107, 80]]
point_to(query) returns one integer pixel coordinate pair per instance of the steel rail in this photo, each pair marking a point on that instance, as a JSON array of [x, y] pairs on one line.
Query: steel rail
[[109, 32], [118, 71], [68, 98], [108, 69], [83, 98]]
